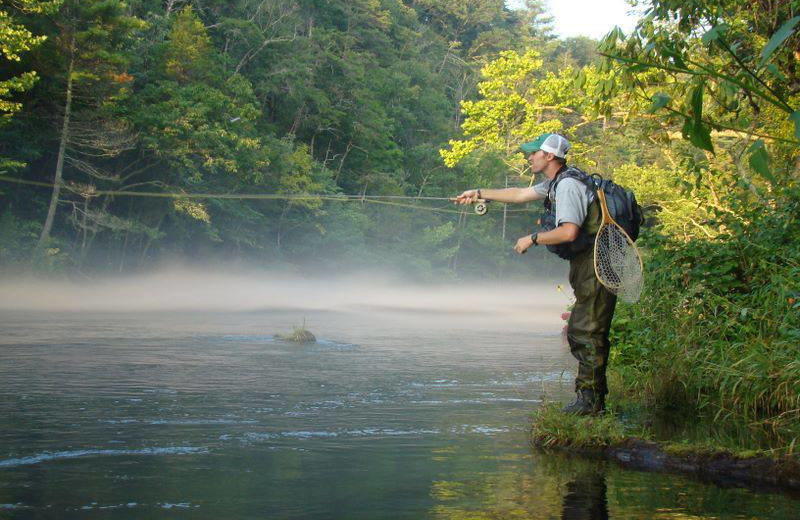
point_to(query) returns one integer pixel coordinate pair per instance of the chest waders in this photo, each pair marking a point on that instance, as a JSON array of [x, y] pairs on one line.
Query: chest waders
[[589, 325]]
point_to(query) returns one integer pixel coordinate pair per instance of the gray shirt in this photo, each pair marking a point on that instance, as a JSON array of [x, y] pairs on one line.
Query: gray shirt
[[571, 198]]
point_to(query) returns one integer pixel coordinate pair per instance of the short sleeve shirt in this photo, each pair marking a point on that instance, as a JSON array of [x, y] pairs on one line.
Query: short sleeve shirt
[[571, 198]]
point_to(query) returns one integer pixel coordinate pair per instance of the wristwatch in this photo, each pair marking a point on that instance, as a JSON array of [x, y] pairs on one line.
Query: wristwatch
[[535, 238], [479, 193]]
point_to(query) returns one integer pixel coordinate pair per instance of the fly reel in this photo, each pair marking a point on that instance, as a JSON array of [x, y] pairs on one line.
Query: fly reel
[[482, 207]]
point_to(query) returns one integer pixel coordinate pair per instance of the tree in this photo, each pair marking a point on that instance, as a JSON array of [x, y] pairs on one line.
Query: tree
[[517, 102], [726, 69], [89, 42]]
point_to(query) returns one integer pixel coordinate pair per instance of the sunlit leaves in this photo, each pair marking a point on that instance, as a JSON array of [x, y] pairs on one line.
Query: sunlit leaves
[[580, 78], [195, 209], [187, 55], [511, 100], [15, 40]]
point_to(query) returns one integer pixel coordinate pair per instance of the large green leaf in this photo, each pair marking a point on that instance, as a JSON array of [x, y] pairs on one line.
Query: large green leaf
[[660, 100], [676, 57], [697, 133], [714, 33], [796, 118], [695, 129], [697, 100], [700, 136], [580, 79], [759, 160], [778, 38]]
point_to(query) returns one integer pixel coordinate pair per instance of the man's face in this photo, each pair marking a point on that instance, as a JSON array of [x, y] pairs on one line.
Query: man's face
[[538, 161]]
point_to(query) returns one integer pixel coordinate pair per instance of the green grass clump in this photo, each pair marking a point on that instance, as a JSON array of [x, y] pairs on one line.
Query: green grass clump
[[553, 428]]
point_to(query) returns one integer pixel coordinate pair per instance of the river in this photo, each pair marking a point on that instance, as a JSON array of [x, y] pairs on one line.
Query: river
[[396, 412]]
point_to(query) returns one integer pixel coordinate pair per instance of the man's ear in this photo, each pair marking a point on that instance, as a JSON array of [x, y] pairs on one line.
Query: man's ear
[[549, 156]]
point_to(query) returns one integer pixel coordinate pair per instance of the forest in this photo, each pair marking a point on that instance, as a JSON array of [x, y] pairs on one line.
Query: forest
[[132, 133]]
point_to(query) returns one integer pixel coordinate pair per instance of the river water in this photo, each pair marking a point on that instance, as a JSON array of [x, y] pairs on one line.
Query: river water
[[394, 413]]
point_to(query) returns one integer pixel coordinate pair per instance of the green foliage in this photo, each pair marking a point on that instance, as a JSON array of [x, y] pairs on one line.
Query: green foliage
[[724, 82], [17, 238], [188, 54], [729, 350]]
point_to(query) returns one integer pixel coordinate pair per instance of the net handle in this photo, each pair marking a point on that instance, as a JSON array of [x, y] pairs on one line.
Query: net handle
[[604, 208]]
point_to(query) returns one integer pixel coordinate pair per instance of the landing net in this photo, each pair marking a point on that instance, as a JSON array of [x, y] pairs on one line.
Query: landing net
[[617, 263]]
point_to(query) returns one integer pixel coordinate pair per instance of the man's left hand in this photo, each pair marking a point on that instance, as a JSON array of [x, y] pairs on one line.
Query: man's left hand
[[523, 244]]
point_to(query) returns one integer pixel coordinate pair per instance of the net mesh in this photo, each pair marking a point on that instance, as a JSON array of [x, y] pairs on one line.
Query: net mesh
[[618, 264]]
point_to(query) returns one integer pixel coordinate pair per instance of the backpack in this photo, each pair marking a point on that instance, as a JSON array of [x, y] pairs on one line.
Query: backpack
[[621, 203]]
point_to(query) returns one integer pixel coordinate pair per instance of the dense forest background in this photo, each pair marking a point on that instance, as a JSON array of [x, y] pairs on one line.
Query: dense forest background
[[288, 98], [697, 110]]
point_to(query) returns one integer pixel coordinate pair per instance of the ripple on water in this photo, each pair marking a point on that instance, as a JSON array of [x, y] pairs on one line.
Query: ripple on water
[[178, 422], [321, 343], [73, 454], [439, 383], [334, 345], [249, 338], [479, 429], [250, 437]]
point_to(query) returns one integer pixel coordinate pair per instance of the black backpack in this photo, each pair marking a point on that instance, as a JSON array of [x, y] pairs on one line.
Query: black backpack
[[621, 203]]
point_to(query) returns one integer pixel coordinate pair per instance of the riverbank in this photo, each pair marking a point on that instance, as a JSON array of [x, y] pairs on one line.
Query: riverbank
[[632, 444]]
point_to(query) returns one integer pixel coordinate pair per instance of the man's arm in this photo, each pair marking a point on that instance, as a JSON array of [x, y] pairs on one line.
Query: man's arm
[[566, 232], [510, 195]]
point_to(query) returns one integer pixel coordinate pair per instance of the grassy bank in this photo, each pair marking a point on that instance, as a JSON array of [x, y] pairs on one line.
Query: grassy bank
[[637, 445], [714, 339]]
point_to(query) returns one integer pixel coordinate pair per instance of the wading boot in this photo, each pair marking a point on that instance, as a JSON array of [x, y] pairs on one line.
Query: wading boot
[[586, 402]]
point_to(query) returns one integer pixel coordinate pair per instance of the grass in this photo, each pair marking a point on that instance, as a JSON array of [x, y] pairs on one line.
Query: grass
[[554, 429], [695, 437]]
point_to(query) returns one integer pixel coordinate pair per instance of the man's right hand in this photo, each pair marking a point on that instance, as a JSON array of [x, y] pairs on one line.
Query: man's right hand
[[468, 197]]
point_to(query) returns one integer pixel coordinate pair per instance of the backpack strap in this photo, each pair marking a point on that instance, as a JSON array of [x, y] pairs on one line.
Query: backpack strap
[[572, 172]]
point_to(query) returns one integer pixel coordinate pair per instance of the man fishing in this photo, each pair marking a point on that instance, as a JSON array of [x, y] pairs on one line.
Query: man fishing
[[571, 223]]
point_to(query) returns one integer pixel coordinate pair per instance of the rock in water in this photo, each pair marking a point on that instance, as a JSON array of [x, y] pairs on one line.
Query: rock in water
[[298, 335]]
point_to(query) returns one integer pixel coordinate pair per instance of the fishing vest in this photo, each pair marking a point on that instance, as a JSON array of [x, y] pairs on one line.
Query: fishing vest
[[589, 227]]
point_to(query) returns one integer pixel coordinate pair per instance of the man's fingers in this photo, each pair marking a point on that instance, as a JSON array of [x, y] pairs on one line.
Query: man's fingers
[[462, 199]]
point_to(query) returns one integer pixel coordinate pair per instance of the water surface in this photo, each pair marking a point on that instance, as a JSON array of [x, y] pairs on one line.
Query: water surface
[[394, 413]]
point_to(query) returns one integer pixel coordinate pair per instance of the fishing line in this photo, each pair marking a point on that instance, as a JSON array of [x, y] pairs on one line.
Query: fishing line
[[388, 200]]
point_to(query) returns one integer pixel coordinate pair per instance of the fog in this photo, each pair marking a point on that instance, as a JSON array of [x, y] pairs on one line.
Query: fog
[[196, 289]]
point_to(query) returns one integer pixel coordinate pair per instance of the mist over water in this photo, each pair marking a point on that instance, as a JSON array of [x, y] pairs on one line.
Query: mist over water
[[195, 289]]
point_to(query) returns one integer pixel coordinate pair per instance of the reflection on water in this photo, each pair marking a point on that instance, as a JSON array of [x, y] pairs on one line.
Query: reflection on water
[[585, 497], [391, 415]]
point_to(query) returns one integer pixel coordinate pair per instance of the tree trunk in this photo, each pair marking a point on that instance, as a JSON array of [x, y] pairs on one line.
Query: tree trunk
[[62, 146], [146, 249]]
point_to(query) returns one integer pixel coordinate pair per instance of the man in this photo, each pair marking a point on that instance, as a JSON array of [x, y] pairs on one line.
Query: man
[[575, 219]]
